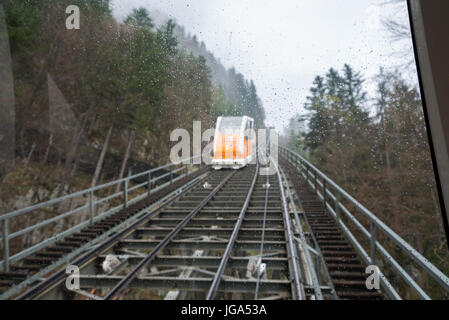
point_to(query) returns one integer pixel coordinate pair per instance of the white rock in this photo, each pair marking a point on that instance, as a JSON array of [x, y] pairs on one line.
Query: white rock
[[110, 263], [207, 185]]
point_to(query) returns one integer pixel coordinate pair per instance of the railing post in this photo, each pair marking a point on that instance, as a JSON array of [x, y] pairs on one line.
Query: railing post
[[5, 245], [149, 183], [316, 181], [91, 206], [373, 242], [125, 193], [307, 173]]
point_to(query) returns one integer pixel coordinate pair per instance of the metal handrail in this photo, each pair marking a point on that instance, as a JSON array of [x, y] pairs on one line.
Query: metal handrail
[[288, 227], [90, 206], [323, 185]]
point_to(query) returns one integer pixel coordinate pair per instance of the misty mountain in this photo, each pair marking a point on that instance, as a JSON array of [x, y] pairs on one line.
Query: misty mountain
[[239, 92]]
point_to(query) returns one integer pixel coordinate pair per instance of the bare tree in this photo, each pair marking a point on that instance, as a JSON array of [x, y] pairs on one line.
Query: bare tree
[[125, 158], [102, 155], [398, 26]]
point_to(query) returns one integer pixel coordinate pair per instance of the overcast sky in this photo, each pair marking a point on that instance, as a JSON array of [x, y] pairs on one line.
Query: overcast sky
[[282, 45]]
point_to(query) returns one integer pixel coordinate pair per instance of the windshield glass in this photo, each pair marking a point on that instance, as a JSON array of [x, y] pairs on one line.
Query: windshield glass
[[230, 125]]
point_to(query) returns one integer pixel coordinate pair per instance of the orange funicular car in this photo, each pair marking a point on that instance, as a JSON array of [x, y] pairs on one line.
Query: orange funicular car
[[234, 142]]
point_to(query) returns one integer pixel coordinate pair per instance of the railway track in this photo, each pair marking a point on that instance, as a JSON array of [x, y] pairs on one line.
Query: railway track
[[345, 268], [227, 237], [230, 234], [65, 246]]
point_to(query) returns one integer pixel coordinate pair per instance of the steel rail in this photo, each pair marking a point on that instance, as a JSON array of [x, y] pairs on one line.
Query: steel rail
[[313, 274], [316, 247], [216, 282], [124, 282], [336, 215], [256, 294], [300, 294], [61, 274], [89, 245]]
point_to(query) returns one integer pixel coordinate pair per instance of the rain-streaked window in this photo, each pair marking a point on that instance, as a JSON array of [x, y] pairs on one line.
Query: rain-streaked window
[[91, 92]]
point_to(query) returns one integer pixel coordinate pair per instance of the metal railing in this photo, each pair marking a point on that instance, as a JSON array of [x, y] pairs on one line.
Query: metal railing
[[151, 180], [334, 199]]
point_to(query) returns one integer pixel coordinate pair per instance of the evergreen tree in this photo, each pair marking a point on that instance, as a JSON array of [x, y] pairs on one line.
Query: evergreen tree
[[167, 39], [140, 18]]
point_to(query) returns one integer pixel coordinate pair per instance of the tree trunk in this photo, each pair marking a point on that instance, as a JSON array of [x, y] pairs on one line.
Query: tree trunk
[[99, 166], [125, 159], [102, 155], [27, 161], [89, 129], [75, 165], [47, 152], [71, 154]]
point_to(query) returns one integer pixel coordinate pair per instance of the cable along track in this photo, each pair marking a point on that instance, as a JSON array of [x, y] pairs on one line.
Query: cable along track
[[205, 244]]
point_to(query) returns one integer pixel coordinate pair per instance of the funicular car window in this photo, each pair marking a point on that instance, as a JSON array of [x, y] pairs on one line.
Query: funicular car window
[[230, 125]]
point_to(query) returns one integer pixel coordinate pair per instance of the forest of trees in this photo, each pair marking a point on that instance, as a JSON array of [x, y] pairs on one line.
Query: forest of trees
[[109, 89], [377, 150]]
